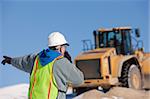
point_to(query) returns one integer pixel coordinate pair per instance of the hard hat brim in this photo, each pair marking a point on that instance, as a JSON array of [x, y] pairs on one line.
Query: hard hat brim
[[66, 44], [60, 45]]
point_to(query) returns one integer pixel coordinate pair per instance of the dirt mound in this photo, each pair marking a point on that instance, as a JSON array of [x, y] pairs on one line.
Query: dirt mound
[[115, 93], [128, 93], [19, 91], [93, 94]]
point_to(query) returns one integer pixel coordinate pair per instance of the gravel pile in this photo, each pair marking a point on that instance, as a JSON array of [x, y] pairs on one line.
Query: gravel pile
[[115, 93]]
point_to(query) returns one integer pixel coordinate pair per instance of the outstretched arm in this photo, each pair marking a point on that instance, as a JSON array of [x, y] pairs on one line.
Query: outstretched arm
[[24, 63]]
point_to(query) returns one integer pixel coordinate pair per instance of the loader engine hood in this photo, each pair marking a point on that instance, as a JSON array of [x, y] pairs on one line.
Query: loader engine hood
[[90, 62], [96, 53]]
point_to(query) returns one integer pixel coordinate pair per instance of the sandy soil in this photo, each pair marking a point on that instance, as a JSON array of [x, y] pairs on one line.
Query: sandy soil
[[21, 92], [115, 93]]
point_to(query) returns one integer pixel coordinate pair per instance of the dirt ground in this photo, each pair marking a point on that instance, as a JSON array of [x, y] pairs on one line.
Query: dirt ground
[[21, 92], [115, 93]]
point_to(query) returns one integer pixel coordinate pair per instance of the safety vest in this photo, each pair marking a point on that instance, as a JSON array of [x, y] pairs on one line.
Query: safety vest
[[42, 81]]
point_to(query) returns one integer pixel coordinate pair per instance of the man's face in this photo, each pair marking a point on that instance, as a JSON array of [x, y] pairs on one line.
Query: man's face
[[61, 49]]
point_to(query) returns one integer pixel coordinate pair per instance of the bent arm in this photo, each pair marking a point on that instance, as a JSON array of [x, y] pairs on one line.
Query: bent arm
[[24, 63], [69, 71]]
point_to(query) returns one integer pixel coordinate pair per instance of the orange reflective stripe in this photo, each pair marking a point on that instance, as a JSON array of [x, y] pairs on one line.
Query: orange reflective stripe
[[51, 80], [49, 92], [34, 79], [59, 57]]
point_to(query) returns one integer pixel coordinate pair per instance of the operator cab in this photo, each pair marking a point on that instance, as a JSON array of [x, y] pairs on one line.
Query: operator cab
[[119, 38]]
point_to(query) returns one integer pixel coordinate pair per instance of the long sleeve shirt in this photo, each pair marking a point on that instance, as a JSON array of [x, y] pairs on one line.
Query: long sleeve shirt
[[64, 71]]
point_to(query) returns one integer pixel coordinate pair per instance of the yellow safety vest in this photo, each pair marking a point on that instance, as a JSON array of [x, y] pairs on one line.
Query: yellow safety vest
[[42, 81]]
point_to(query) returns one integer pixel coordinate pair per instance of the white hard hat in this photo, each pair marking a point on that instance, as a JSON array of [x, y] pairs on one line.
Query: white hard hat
[[55, 39]]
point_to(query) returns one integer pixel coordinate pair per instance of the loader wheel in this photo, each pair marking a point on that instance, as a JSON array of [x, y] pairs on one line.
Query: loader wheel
[[131, 77]]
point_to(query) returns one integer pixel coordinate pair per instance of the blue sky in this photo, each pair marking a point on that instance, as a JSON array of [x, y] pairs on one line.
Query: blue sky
[[25, 25]]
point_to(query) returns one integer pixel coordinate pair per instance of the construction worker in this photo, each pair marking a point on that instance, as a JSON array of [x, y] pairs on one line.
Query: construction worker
[[50, 72]]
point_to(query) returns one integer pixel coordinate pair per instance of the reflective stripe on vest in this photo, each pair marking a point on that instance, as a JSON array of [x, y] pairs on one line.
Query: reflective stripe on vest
[[42, 81]]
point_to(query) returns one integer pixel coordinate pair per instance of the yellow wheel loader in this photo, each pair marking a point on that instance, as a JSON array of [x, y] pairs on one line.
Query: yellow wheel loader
[[114, 61]]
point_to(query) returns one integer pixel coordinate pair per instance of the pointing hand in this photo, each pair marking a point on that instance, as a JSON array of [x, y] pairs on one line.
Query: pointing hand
[[6, 60]]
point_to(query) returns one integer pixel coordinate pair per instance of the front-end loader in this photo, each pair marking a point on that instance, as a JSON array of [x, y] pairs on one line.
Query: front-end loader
[[114, 60]]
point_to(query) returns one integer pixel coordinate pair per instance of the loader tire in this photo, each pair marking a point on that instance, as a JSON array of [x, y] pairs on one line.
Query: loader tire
[[131, 77]]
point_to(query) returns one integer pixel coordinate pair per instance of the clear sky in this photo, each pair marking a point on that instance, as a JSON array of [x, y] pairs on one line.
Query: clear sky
[[25, 25]]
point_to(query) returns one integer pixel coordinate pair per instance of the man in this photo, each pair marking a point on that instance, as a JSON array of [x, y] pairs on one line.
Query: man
[[111, 42], [50, 72]]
